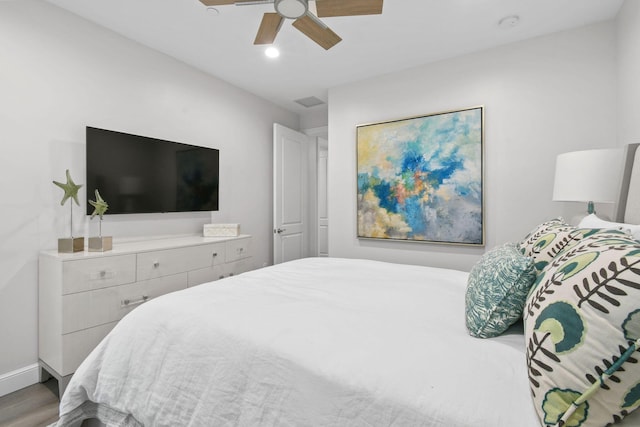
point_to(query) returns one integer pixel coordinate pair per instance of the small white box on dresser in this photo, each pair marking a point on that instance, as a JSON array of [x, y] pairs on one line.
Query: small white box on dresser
[[221, 230]]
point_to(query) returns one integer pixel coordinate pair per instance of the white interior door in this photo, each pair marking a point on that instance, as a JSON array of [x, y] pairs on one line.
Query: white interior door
[[291, 200]]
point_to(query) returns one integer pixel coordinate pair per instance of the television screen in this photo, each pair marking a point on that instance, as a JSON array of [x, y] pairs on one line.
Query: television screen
[[137, 174]]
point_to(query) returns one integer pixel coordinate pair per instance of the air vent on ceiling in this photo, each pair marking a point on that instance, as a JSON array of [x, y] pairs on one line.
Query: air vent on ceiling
[[310, 101]]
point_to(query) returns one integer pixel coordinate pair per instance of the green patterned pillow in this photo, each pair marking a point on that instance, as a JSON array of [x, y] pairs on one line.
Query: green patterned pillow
[[496, 290], [594, 233], [582, 330], [545, 241]]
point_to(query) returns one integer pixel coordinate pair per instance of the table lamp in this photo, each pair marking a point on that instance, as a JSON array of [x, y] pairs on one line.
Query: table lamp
[[588, 176]]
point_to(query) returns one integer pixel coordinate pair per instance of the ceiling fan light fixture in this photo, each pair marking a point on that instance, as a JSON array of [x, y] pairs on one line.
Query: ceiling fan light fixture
[[292, 9]]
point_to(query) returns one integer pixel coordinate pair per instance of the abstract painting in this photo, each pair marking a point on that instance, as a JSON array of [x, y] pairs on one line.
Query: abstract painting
[[421, 178]]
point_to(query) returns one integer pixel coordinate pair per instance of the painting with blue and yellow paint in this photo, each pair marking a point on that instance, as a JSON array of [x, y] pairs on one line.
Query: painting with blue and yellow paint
[[420, 179]]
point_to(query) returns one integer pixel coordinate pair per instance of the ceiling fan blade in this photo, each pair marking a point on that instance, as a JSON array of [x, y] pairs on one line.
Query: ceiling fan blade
[[251, 2], [269, 27], [236, 2], [327, 8], [317, 31], [216, 2]]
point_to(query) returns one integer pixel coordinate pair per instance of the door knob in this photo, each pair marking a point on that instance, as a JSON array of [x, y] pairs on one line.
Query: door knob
[[279, 230]]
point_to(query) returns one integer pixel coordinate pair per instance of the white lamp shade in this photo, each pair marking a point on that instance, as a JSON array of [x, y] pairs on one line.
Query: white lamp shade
[[588, 176]]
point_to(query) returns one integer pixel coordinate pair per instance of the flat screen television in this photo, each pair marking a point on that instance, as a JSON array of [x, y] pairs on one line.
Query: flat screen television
[[138, 174]]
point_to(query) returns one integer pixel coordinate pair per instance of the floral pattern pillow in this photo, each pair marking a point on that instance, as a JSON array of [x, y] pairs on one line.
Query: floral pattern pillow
[[545, 241], [582, 331]]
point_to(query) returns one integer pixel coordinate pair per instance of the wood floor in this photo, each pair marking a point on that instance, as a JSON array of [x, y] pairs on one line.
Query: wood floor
[[34, 406]]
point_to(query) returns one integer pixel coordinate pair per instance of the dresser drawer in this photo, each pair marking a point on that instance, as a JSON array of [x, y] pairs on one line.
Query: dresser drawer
[[204, 275], [237, 267], [95, 273], [237, 249], [77, 346], [172, 261], [210, 274], [88, 309]]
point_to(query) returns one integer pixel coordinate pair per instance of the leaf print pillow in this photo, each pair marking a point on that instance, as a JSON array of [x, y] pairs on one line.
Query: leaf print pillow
[[496, 291], [582, 331]]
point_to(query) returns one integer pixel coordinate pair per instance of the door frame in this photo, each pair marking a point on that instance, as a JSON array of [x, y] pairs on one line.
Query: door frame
[[311, 220], [314, 220]]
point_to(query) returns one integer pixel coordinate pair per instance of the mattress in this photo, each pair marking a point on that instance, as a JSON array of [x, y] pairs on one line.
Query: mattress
[[312, 342]]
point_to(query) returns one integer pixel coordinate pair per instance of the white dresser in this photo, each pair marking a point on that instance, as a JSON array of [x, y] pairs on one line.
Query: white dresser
[[83, 295]]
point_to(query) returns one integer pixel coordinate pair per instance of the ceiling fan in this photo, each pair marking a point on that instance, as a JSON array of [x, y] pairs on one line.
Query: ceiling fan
[[305, 21]]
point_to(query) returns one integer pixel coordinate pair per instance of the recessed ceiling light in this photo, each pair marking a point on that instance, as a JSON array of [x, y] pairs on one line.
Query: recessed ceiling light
[[509, 21], [272, 52], [213, 10]]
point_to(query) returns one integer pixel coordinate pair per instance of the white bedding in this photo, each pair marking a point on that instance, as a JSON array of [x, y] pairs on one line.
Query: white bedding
[[314, 342]]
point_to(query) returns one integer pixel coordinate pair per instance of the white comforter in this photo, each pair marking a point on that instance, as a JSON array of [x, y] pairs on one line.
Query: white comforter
[[314, 342]]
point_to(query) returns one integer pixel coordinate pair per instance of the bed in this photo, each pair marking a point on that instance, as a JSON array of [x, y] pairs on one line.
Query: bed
[[347, 342], [314, 342]]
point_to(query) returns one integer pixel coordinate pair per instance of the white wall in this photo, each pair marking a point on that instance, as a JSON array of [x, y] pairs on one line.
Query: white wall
[[542, 97], [59, 74], [314, 117], [629, 72]]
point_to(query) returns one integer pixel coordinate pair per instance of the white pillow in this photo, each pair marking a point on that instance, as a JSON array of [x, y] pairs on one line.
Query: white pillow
[[592, 221]]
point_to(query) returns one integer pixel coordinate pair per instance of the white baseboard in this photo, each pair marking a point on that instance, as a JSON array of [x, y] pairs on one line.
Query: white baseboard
[[18, 379]]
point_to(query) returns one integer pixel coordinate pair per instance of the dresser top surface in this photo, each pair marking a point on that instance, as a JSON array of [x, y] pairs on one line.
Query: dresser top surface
[[146, 245]]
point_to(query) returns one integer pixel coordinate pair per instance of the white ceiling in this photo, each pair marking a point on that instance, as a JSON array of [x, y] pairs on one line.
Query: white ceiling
[[408, 33]]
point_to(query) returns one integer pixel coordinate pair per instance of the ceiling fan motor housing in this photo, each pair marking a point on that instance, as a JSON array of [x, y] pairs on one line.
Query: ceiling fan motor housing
[[292, 9]]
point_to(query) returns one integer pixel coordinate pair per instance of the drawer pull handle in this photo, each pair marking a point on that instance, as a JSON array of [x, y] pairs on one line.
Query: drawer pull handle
[[221, 277], [156, 264], [129, 303], [101, 275], [215, 254]]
